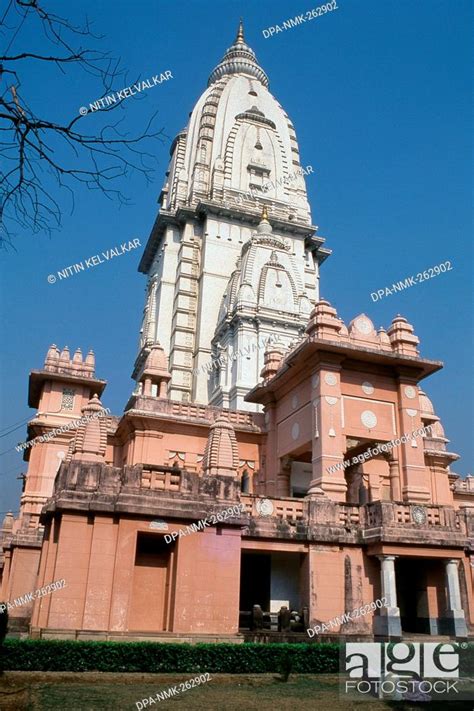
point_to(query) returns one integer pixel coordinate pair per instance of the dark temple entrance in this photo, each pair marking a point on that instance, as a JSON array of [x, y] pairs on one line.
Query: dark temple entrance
[[255, 575], [414, 576]]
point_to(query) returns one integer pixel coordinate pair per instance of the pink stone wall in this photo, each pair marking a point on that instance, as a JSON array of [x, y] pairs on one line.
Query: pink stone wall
[[208, 575], [106, 590], [51, 398], [72, 563], [22, 579], [328, 585], [100, 574], [148, 599]]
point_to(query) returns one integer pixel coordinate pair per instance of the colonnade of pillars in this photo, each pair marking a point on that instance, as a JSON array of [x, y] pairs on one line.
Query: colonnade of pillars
[[388, 622]]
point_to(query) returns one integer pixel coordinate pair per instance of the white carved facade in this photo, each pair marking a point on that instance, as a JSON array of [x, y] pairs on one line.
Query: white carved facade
[[217, 285]]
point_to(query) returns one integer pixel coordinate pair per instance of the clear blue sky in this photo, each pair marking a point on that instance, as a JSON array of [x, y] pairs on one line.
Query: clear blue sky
[[379, 94]]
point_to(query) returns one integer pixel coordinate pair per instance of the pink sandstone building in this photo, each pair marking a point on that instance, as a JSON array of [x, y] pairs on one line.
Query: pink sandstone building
[[307, 446]]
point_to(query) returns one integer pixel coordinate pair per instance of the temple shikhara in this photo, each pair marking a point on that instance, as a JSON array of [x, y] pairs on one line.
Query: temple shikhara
[[250, 392]]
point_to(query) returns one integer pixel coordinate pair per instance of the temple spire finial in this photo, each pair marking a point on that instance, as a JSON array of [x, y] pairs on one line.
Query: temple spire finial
[[240, 32], [264, 226], [239, 59]]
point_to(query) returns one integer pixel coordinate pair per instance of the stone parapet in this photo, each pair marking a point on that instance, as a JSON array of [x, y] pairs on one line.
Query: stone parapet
[[198, 414], [146, 490], [140, 490]]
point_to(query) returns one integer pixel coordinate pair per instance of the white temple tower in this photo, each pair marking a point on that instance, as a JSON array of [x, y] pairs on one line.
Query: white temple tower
[[237, 155]]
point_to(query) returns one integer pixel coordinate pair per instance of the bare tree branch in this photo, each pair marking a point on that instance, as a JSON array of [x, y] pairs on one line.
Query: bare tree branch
[[36, 149]]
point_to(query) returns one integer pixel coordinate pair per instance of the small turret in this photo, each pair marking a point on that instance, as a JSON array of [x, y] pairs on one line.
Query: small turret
[[402, 337], [221, 456], [90, 441]]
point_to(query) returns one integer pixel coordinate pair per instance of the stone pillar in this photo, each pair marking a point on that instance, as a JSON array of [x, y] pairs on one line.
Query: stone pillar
[[454, 613], [415, 475], [284, 478], [271, 459], [328, 440], [394, 480], [375, 485], [354, 475], [387, 623]]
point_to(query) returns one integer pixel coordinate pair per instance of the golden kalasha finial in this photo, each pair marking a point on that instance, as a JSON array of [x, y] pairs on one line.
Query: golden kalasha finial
[[240, 33], [265, 213]]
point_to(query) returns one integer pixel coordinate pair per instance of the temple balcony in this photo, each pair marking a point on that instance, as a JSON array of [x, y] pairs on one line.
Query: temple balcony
[[392, 522], [192, 412], [174, 493], [379, 521]]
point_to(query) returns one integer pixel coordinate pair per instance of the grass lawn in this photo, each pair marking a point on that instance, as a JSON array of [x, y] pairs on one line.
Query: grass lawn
[[35, 691]]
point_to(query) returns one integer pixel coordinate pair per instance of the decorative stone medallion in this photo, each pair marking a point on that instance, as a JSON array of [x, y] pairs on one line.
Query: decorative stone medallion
[[363, 325], [410, 392], [330, 379], [330, 400], [294, 402], [369, 419], [410, 412], [264, 507], [418, 514], [295, 431], [367, 388]]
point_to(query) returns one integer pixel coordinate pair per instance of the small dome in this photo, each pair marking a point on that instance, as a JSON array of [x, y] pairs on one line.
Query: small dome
[[426, 406], [383, 338], [343, 331], [8, 521], [362, 327], [94, 405], [438, 430]]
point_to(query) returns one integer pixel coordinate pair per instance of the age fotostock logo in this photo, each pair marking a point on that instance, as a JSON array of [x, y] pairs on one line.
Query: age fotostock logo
[[401, 670]]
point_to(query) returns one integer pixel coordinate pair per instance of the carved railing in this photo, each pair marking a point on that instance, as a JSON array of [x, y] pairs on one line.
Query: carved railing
[[384, 513], [78, 481], [378, 514], [162, 478], [194, 411], [291, 510], [349, 515]]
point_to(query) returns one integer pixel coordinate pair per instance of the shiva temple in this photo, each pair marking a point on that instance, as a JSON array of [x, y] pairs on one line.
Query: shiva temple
[[274, 467]]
